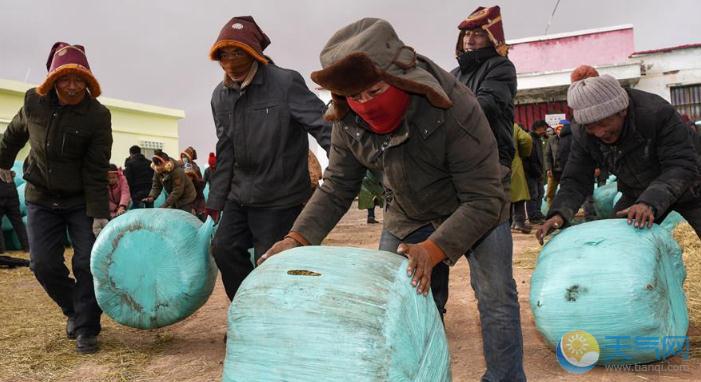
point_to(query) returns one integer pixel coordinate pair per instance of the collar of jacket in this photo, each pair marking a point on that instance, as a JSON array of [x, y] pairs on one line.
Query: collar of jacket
[[420, 114]]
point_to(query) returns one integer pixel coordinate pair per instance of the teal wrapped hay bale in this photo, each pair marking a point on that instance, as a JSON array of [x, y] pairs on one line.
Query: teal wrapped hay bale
[[160, 200], [19, 173], [152, 267], [604, 200], [617, 283], [334, 314], [22, 202]]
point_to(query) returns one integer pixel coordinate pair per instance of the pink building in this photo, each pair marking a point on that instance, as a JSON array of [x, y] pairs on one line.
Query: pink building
[[544, 63]]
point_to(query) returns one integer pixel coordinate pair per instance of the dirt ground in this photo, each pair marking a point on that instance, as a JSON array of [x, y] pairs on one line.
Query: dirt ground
[[33, 345]]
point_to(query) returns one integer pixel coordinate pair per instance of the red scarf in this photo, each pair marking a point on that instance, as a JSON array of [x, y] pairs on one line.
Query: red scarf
[[384, 112]]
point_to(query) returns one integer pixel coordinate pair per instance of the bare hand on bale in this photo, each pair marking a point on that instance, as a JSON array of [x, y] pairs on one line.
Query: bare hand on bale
[[555, 222], [282, 245], [640, 215], [420, 266]]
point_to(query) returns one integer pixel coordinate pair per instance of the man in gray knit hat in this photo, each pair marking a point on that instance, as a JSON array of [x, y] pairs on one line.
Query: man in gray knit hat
[[640, 138]]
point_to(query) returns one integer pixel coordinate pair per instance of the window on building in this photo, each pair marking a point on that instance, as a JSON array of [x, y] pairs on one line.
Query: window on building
[[148, 147], [687, 100]]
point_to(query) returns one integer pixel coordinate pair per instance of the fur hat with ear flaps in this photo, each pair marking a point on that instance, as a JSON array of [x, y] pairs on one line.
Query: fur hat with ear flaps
[[66, 59], [366, 52]]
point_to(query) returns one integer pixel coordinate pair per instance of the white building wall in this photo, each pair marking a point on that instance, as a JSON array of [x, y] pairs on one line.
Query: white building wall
[[666, 69]]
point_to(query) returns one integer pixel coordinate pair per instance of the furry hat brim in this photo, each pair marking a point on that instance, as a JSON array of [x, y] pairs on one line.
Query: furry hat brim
[[48, 84], [214, 50], [357, 72]]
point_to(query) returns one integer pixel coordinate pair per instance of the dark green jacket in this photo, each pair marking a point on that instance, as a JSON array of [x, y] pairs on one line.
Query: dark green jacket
[[440, 167], [70, 152]]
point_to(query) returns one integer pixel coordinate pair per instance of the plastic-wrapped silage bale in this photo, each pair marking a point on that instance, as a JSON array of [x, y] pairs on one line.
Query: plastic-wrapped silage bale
[[19, 173], [604, 200], [610, 279], [152, 267], [334, 314], [22, 201]]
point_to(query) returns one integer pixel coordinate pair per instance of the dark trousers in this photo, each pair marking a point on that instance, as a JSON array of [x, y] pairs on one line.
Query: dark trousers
[[47, 231], [536, 189], [10, 207], [518, 212], [242, 228]]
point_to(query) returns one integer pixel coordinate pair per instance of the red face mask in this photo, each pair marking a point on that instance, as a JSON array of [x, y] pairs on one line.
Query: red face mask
[[384, 112]]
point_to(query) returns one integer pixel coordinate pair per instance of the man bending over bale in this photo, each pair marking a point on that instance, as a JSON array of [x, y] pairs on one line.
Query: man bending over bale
[[641, 139], [70, 137], [398, 113]]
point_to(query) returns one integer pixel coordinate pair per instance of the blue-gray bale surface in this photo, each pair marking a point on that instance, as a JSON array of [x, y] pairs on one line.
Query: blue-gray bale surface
[[152, 267], [610, 279], [334, 314]]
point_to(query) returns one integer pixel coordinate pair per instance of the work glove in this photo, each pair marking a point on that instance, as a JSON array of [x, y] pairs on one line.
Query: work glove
[[97, 225], [6, 175]]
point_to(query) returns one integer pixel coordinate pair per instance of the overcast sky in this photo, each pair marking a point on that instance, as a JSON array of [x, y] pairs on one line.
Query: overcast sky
[[156, 51]]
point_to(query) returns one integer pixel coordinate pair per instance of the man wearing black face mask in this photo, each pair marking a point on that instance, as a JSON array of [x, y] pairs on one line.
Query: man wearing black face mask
[[485, 69]]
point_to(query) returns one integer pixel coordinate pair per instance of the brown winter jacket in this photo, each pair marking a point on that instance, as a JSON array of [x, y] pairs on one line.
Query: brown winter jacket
[[70, 152], [441, 167], [179, 187]]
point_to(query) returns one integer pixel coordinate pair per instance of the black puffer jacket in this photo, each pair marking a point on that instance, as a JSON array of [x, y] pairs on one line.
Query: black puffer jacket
[[565, 146], [654, 160], [494, 84], [533, 165], [139, 174], [70, 152]]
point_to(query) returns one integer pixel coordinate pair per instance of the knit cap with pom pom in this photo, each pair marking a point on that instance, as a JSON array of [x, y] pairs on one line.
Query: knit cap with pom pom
[[593, 97]]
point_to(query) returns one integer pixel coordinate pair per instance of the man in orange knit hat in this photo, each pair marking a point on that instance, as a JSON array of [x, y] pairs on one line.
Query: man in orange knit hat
[[640, 138], [70, 136], [262, 115]]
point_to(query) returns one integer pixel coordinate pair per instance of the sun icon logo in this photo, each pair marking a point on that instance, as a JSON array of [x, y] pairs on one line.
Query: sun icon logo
[[578, 352]]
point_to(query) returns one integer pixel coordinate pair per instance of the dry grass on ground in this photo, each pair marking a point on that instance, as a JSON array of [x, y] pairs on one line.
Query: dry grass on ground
[[34, 345], [691, 246]]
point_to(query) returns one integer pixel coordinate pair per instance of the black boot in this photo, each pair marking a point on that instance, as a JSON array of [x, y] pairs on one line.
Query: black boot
[[70, 328], [86, 344]]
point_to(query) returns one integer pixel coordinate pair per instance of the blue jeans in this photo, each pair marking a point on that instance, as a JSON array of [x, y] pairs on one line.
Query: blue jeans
[[46, 229], [491, 277]]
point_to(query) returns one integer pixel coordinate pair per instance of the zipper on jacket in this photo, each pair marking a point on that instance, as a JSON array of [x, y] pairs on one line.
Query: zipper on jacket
[[52, 122]]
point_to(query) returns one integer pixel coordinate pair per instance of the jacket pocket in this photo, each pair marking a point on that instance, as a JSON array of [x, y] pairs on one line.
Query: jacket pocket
[[73, 143]]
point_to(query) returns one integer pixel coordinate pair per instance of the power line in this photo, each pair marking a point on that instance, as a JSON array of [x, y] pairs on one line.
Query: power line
[[551, 16]]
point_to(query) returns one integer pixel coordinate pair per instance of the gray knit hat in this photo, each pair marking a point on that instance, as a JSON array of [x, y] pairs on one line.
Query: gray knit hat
[[595, 98]]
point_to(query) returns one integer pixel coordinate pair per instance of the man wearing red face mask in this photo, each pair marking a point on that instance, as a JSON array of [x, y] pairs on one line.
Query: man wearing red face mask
[[70, 136], [263, 115], [398, 113]]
